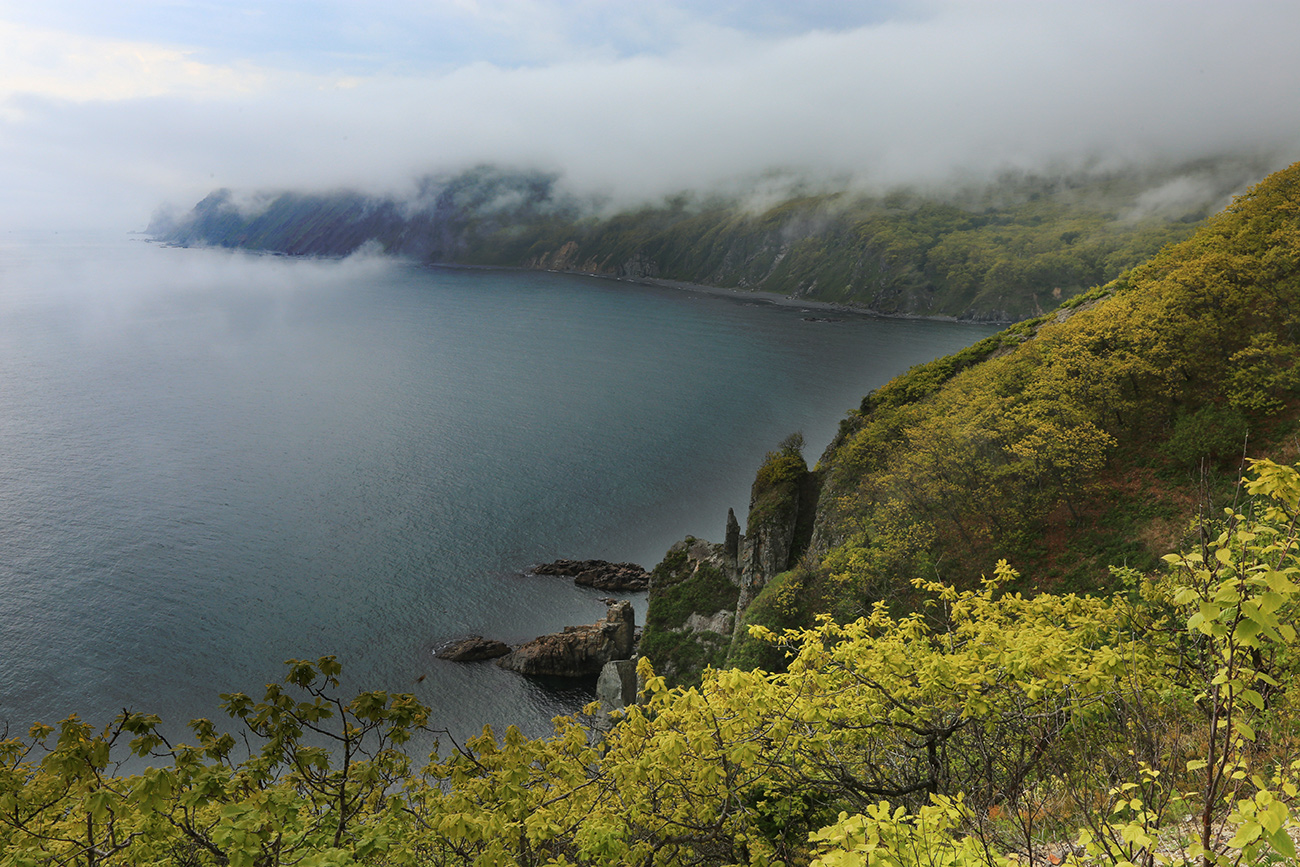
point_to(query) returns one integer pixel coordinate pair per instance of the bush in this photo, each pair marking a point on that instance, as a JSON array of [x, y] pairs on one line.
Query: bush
[[1214, 432]]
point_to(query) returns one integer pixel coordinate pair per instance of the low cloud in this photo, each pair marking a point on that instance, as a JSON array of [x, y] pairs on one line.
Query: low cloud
[[948, 90]]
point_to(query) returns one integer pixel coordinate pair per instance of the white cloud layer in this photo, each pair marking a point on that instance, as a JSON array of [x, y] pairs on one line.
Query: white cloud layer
[[96, 130]]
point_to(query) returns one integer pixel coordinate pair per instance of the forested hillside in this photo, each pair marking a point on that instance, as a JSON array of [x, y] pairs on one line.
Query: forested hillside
[[1080, 440], [943, 696], [998, 250]]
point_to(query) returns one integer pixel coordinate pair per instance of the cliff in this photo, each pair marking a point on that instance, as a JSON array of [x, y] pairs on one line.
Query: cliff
[[1002, 250], [1078, 444]]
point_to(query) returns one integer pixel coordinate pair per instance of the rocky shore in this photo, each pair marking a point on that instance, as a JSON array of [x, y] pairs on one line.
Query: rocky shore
[[474, 648], [577, 651], [599, 574]]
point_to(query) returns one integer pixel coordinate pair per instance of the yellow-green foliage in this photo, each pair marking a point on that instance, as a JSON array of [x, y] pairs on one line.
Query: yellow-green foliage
[[982, 724], [988, 451], [781, 604], [985, 726]]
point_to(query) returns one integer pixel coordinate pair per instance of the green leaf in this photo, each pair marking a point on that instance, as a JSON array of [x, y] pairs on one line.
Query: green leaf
[[1278, 582], [1282, 843]]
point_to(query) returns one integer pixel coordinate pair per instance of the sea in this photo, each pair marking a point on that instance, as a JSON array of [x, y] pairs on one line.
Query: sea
[[213, 461]]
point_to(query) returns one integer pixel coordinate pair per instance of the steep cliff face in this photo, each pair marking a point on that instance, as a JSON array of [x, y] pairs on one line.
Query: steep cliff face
[[692, 611], [782, 506], [695, 618]]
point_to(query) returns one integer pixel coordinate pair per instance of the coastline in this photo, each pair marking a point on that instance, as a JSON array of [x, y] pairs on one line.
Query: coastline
[[756, 295], [764, 297]]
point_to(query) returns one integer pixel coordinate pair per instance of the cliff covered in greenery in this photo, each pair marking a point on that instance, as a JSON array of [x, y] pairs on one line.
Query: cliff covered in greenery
[[1000, 250], [1077, 441]]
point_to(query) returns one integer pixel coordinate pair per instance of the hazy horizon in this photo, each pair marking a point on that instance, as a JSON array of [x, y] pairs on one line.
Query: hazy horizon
[[108, 112]]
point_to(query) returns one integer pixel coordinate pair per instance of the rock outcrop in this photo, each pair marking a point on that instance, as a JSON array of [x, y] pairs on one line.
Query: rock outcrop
[[473, 649], [766, 554], [578, 651], [616, 688], [731, 547], [600, 574], [782, 511], [692, 610], [721, 623]]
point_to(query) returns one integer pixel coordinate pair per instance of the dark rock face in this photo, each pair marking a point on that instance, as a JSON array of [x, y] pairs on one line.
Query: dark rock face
[[600, 574], [731, 547], [578, 651], [472, 649], [782, 511], [766, 554]]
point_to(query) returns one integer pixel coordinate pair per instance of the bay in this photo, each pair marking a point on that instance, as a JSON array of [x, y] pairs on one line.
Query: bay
[[211, 462]]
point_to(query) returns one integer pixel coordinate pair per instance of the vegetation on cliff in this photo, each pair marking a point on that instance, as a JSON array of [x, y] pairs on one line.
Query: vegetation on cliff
[[690, 580], [1002, 250], [1069, 443]]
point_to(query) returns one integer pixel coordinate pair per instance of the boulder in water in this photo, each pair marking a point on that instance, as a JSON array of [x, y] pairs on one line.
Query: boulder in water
[[600, 574], [472, 649], [578, 651]]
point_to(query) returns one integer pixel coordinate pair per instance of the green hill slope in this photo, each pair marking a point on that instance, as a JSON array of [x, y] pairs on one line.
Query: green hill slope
[[1083, 439], [999, 251]]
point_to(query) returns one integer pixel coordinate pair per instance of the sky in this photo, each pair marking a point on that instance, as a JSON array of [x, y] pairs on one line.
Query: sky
[[109, 110]]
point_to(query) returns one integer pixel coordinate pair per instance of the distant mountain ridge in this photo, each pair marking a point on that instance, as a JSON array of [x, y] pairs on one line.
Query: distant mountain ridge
[[1002, 251]]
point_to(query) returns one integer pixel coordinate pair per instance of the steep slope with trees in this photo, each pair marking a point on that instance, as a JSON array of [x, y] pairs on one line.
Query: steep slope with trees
[[988, 729], [1076, 441], [1001, 250]]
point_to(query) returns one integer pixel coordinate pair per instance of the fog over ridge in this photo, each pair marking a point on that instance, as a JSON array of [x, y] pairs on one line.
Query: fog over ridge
[[914, 93]]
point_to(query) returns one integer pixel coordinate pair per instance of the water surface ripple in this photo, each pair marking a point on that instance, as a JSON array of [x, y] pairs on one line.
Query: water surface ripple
[[211, 462]]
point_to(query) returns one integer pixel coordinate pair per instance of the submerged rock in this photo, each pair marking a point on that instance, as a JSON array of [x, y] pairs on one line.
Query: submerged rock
[[472, 649], [578, 651], [600, 574]]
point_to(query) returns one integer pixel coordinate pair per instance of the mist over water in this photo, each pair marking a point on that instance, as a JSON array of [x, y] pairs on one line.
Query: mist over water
[[211, 462]]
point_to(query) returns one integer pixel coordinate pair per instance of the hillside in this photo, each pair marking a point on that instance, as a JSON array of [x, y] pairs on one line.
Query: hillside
[[1001, 250], [1084, 439]]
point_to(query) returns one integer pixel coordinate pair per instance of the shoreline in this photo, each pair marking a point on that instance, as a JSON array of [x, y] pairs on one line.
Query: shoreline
[[775, 298], [757, 295], [760, 296]]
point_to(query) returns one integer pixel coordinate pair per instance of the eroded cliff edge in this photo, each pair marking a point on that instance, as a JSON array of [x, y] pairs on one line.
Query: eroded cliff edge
[[704, 595]]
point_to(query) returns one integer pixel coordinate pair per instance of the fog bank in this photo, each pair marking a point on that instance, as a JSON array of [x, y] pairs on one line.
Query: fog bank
[[98, 130]]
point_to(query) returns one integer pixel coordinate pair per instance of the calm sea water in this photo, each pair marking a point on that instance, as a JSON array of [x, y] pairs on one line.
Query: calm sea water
[[211, 462]]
